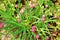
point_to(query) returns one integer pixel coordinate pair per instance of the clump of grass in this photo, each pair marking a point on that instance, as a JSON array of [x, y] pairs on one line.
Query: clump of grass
[[30, 22]]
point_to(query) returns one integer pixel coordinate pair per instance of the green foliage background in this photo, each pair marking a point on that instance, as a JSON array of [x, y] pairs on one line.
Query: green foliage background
[[7, 8]]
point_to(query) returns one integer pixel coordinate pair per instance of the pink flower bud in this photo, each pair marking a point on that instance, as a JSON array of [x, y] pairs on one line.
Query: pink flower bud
[[1, 25], [47, 38], [19, 20], [32, 6], [23, 33], [58, 17], [22, 10], [43, 19], [37, 36], [46, 6], [16, 6], [49, 25], [33, 28]]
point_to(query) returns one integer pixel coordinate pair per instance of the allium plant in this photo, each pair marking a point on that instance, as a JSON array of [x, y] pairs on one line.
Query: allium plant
[[33, 23]]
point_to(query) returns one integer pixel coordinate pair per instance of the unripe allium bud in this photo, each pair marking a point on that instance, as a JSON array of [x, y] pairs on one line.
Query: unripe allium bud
[[1, 25], [19, 20], [33, 28], [46, 6], [37, 36]]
